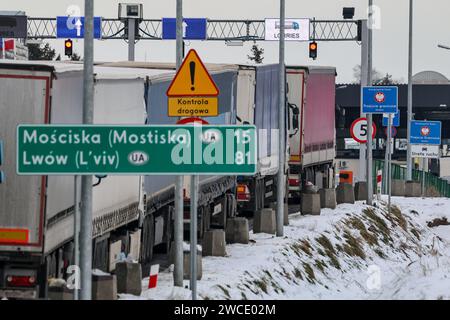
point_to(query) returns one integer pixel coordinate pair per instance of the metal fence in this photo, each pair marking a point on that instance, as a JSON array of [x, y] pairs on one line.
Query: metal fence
[[432, 182]]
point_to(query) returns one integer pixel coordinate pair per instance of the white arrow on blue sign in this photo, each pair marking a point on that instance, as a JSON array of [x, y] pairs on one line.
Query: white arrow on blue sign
[[395, 119], [193, 28], [73, 27], [379, 99]]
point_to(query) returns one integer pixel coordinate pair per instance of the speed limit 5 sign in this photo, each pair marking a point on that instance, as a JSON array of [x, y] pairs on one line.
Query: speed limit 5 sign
[[358, 130]]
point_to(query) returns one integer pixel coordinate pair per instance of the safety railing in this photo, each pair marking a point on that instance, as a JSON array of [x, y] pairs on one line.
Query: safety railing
[[433, 184]]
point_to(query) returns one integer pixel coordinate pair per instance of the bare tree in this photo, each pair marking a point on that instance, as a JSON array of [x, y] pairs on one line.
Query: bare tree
[[378, 78]]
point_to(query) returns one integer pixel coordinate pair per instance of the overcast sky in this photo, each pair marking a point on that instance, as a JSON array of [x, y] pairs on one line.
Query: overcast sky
[[431, 27]]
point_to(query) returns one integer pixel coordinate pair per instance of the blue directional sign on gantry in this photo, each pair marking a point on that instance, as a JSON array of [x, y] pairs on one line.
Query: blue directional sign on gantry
[[73, 27], [193, 28]]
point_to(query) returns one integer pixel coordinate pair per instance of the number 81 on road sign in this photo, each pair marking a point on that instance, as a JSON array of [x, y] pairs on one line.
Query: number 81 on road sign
[[358, 130]]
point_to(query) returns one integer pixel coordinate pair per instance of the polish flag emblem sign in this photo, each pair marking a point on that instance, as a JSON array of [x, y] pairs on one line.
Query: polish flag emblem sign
[[380, 97], [425, 131]]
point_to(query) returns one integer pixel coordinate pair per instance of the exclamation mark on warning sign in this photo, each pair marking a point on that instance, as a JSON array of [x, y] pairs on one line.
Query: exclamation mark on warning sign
[[192, 70]]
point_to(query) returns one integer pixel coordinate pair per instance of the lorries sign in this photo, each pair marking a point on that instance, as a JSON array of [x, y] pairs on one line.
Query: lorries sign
[[295, 29], [104, 149]]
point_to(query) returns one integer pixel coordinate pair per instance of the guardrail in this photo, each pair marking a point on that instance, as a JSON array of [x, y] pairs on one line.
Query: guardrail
[[433, 184]]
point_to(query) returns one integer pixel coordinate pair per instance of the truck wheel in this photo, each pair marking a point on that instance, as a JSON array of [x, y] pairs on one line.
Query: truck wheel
[[148, 231]]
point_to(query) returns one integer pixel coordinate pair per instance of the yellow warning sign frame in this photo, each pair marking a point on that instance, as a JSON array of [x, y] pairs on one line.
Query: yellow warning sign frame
[[181, 88]]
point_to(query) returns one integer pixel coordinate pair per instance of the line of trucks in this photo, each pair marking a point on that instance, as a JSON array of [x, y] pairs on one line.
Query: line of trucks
[[133, 215]]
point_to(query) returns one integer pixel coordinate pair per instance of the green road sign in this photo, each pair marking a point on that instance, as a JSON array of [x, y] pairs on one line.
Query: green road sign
[[149, 149]]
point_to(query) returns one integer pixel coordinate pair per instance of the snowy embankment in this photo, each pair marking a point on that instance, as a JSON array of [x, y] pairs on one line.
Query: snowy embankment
[[352, 252]]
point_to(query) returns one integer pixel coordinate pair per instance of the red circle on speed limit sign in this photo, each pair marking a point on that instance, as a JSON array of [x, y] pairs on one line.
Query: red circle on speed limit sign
[[358, 130]]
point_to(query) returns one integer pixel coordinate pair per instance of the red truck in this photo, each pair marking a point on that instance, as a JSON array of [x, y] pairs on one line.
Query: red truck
[[311, 127]]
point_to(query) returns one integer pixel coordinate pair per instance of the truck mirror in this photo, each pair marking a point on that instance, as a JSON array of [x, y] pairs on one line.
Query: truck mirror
[[295, 121], [295, 118]]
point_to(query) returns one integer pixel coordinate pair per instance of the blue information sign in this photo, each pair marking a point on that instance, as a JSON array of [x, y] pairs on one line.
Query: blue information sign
[[379, 99], [395, 120], [73, 27], [425, 132], [193, 29]]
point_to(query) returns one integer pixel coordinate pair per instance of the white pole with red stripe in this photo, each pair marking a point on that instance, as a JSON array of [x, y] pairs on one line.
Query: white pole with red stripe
[[153, 279], [379, 183]]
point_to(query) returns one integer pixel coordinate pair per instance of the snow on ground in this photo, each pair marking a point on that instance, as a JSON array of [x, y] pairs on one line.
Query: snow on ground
[[352, 252]]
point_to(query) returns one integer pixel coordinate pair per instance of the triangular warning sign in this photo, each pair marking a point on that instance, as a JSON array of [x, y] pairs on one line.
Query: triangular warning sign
[[192, 80]]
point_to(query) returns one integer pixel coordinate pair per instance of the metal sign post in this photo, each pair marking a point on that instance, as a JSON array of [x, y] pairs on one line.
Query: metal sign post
[[364, 61], [86, 181], [423, 176], [379, 99], [389, 151], [131, 38], [178, 227], [410, 93], [193, 236], [76, 229], [281, 183]]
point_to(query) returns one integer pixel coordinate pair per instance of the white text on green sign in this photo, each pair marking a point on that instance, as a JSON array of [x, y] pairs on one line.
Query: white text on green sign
[[95, 149]]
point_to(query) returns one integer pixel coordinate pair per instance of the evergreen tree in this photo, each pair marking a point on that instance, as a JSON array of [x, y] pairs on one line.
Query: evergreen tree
[[256, 54], [37, 52]]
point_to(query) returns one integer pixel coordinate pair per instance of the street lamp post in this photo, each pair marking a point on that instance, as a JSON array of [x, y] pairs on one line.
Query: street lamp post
[[410, 90]]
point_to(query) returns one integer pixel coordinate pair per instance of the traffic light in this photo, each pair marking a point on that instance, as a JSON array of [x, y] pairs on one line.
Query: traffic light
[[68, 47], [313, 50]]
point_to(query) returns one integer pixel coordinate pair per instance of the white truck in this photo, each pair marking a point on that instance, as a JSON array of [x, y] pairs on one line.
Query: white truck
[[131, 214], [36, 212]]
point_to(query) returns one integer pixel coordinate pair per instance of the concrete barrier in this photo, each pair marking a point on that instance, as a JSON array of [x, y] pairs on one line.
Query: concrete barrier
[[273, 205], [187, 265], [361, 191], [327, 198], [129, 277], [310, 203], [398, 188], [345, 193], [237, 230], [214, 243], [264, 221], [104, 287], [413, 189], [60, 293]]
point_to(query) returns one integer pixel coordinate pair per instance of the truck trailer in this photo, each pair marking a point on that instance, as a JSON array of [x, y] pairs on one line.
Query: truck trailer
[[258, 104], [132, 215], [311, 127], [36, 212]]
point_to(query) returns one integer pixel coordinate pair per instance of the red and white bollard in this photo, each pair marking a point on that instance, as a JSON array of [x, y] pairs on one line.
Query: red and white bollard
[[379, 183], [152, 281]]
